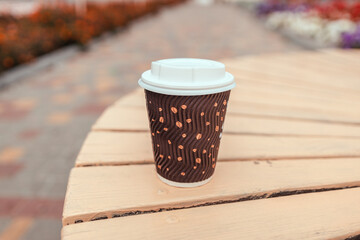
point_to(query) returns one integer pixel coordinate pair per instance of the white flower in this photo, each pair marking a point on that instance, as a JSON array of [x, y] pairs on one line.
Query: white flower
[[334, 29], [310, 26]]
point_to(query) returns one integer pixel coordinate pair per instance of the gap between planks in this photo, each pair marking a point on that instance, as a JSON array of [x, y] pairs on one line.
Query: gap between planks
[[289, 118], [255, 160]]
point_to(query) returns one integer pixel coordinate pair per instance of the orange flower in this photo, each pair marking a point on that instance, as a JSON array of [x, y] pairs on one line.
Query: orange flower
[[48, 28]]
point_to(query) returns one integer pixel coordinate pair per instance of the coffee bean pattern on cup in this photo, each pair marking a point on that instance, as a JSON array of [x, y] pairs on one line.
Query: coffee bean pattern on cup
[[186, 133]]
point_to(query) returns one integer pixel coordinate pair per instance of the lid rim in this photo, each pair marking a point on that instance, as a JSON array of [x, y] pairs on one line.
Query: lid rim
[[216, 64], [186, 92], [226, 80]]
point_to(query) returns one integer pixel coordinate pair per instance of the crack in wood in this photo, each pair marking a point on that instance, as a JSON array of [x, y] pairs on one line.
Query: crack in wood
[[356, 237], [242, 199]]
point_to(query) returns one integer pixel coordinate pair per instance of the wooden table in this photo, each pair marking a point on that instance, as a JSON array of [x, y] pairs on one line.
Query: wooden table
[[289, 161]]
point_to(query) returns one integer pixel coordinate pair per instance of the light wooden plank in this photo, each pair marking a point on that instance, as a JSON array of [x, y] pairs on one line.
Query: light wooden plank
[[267, 78], [261, 110], [115, 148], [137, 188], [241, 124], [128, 118], [258, 94], [347, 65], [121, 148], [291, 81], [321, 62], [286, 101], [267, 101], [269, 84], [124, 118], [314, 216], [302, 70], [251, 92], [307, 107], [258, 86]]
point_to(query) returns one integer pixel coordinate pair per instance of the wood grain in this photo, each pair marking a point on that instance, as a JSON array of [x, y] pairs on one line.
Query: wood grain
[[137, 188], [121, 148], [312, 216]]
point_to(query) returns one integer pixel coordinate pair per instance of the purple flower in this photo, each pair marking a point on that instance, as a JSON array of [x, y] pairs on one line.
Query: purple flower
[[268, 7], [351, 39]]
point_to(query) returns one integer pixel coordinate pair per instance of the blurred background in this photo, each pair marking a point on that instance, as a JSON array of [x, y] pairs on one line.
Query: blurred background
[[63, 62]]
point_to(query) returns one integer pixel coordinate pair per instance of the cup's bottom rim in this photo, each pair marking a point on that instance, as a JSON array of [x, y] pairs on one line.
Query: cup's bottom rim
[[182, 184]]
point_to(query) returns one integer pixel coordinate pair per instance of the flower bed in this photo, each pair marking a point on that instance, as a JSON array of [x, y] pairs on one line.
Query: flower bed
[[329, 23], [24, 38]]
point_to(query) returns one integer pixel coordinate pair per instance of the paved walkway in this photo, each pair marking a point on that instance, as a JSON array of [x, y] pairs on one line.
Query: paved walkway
[[45, 118]]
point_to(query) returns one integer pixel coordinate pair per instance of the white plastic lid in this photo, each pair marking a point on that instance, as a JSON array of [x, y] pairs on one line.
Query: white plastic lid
[[187, 76]]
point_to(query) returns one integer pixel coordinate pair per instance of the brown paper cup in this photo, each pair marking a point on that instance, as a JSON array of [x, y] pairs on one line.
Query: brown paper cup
[[186, 133]]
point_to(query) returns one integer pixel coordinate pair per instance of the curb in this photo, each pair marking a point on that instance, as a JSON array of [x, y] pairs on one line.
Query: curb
[[41, 63]]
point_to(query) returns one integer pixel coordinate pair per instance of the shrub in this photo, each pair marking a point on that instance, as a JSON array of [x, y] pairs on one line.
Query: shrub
[[22, 39]]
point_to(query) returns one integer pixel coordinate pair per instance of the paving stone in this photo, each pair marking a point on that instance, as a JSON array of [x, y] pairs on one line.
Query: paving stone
[[4, 223], [16, 228], [44, 229], [11, 154]]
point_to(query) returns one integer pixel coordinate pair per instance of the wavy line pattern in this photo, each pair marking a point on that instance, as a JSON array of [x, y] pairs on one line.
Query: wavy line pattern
[[186, 133]]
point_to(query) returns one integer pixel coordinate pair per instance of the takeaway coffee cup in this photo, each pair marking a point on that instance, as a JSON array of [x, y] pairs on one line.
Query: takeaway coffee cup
[[186, 101]]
